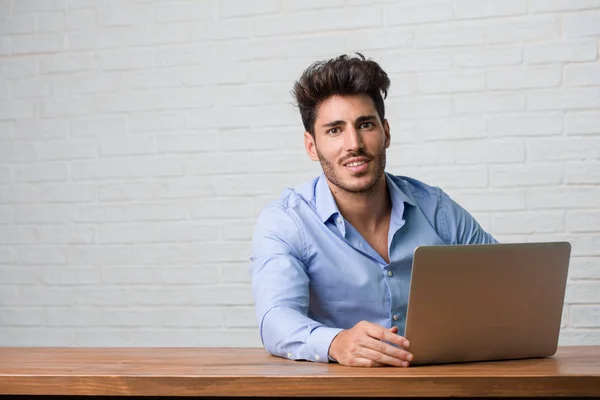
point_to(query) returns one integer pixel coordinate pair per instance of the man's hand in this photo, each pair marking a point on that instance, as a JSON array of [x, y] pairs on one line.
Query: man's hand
[[364, 345]]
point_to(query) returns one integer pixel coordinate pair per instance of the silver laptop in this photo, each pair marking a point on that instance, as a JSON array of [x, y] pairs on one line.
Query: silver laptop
[[486, 302]]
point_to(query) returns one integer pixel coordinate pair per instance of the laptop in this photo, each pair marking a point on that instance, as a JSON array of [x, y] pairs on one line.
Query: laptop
[[486, 302]]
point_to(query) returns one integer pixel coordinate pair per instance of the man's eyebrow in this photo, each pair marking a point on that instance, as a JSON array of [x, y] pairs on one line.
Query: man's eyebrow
[[364, 118], [334, 123]]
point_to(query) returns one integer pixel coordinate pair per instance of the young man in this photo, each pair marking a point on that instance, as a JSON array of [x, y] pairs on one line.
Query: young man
[[332, 258]]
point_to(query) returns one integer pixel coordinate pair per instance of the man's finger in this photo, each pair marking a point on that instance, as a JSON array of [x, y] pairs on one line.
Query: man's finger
[[385, 335], [381, 358], [388, 349]]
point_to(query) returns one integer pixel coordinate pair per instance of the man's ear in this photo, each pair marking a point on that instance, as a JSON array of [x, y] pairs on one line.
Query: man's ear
[[386, 131], [311, 146]]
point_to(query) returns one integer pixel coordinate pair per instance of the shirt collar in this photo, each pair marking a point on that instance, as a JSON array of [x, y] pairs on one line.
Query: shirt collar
[[326, 206]]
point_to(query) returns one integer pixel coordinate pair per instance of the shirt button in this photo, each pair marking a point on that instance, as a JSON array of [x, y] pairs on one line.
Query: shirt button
[[395, 317], [390, 273], [317, 357], [339, 220], [289, 355]]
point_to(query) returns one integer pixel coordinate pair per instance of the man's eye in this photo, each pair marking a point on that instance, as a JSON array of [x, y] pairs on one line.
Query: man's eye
[[366, 125], [333, 131]]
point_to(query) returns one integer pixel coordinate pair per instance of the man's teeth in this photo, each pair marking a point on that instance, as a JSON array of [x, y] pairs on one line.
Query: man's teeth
[[356, 164]]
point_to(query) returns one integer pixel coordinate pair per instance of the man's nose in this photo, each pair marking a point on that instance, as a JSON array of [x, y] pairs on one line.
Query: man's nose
[[353, 140]]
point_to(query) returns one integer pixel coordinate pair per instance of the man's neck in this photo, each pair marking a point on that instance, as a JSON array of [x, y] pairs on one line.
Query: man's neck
[[365, 211]]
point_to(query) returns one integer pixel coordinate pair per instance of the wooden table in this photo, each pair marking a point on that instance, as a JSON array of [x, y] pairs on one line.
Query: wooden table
[[574, 371]]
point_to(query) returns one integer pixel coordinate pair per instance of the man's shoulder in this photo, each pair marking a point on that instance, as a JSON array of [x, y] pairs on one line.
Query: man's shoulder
[[417, 189], [301, 195]]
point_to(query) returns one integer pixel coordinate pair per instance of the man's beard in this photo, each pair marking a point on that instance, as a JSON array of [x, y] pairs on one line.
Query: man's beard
[[332, 176]]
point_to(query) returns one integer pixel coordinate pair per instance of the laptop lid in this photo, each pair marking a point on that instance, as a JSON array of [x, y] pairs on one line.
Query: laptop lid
[[486, 302]]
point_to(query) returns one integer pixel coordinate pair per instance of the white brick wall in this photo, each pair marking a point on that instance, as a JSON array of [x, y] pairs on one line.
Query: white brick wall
[[139, 140]]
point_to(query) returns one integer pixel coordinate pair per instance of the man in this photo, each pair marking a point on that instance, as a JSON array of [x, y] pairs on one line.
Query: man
[[332, 258]]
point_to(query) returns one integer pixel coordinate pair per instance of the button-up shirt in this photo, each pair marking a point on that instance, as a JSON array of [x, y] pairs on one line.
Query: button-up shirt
[[314, 275]]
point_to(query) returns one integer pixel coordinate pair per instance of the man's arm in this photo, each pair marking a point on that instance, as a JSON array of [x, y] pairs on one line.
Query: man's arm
[[280, 288], [457, 226]]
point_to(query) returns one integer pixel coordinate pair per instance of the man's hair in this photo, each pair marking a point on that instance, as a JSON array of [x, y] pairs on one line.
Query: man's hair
[[344, 75]]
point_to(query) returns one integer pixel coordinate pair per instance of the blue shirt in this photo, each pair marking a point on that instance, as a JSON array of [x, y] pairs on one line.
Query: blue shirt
[[313, 275]]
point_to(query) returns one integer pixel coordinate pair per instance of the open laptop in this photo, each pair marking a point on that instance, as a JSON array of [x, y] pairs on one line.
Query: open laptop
[[486, 302]]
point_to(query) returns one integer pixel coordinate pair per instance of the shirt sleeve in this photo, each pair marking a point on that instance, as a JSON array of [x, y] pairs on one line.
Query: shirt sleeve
[[457, 226], [280, 287]]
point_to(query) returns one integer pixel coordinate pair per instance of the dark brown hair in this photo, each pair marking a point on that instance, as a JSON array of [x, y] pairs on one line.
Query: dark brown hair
[[344, 75]]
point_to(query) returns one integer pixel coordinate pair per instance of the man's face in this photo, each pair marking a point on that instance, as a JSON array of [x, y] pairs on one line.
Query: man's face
[[350, 142]]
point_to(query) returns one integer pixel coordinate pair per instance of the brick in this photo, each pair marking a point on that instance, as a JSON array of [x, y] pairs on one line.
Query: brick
[[581, 24], [583, 172], [16, 317], [68, 192], [18, 152], [236, 230], [65, 107], [38, 5], [489, 8], [230, 74], [583, 267], [5, 45], [439, 128], [538, 6], [563, 149], [484, 151], [154, 79], [582, 74], [56, 234], [523, 77], [238, 8], [101, 213], [421, 106], [109, 81], [579, 337], [220, 208], [159, 211], [489, 102], [575, 197], [49, 213], [421, 13], [238, 295], [37, 43], [243, 140], [583, 221], [11, 68], [505, 200], [451, 82], [138, 167], [415, 62], [450, 177], [190, 274], [583, 293], [17, 24], [36, 336], [564, 51], [225, 338], [582, 122], [127, 233], [152, 121], [31, 88], [239, 317], [71, 276], [128, 15], [234, 273], [19, 194], [67, 62], [7, 215], [189, 317], [18, 110], [172, 188], [528, 222], [127, 145], [322, 21], [488, 57], [100, 255], [187, 142], [72, 149], [129, 59], [134, 317], [551, 99], [186, 54], [73, 317], [5, 175], [292, 5], [530, 124], [104, 337], [449, 37], [41, 172], [529, 28], [185, 11], [526, 175]]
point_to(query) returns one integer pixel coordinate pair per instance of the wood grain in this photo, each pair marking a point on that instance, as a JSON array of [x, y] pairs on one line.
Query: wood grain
[[573, 371]]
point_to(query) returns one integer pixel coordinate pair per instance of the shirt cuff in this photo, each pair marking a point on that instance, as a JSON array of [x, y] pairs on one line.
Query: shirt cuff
[[319, 341]]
